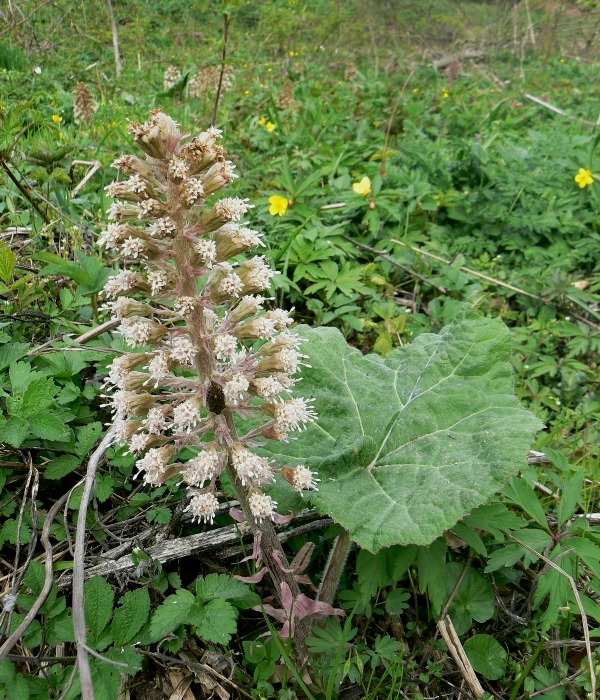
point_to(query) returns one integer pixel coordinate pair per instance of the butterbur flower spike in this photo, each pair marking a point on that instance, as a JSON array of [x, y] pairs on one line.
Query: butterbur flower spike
[[200, 354]]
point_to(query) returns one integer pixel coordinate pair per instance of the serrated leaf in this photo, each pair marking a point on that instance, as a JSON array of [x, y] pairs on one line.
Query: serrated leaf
[[11, 353], [571, 494], [38, 395], [98, 599], [8, 260], [105, 486], [87, 437], [216, 621], [21, 374], [407, 445], [49, 426], [9, 532], [512, 552], [60, 630], [61, 466], [131, 615], [106, 680], [127, 655], [14, 431], [33, 634], [225, 587], [35, 576], [494, 518], [172, 613], [521, 493]]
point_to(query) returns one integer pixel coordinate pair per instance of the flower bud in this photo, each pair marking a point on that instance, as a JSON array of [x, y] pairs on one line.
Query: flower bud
[[124, 307], [231, 239], [158, 137]]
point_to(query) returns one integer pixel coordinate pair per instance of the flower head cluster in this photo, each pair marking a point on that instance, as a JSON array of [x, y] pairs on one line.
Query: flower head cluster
[[201, 353]]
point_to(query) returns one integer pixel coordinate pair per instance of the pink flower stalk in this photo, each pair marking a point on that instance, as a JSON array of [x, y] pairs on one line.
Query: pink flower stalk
[[204, 347]]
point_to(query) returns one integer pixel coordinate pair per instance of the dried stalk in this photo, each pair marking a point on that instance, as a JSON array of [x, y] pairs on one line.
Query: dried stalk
[[48, 580], [87, 688], [115, 37], [455, 648]]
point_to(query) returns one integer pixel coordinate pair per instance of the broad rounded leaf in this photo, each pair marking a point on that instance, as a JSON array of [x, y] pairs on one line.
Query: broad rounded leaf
[[473, 600], [407, 445], [487, 656]]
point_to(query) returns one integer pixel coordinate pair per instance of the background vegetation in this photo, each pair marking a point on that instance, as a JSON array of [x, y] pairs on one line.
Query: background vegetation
[[470, 121]]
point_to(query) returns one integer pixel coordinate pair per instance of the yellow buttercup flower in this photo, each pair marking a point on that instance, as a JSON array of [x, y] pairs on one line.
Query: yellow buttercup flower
[[262, 120], [278, 204], [445, 93], [584, 177], [269, 126], [56, 118], [363, 187]]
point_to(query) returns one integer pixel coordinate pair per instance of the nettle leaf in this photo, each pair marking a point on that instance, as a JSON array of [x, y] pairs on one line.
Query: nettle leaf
[[11, 352], [61, 466], [172, 613], [35, 576], [87, 437], [38, 396], [21, 375], [98, 599], [131, 615], [49, 426], [105, 485], [14, 431], [407, 445]]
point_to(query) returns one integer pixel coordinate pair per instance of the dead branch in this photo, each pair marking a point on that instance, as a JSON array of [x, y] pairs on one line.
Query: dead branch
[[85, 675]]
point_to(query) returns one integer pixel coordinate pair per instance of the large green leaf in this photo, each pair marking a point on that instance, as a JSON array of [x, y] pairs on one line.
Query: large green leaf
[[407, 445]]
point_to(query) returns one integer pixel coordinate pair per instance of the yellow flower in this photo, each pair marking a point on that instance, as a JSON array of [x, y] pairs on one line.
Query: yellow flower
[[262, 120], [415, 90], [363, 187], [246, 92], [269, 126], [444, 93], [584, 177], [278, 204], [56, 118]]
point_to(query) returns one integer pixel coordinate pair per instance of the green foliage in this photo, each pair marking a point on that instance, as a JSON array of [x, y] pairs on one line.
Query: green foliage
[[486, 655], [443, 441], [11, 57], [211, 612], [461, 166]]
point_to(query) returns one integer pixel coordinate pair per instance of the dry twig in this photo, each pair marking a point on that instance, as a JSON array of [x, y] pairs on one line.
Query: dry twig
[[85, 675], [49, 578], [455, 648]]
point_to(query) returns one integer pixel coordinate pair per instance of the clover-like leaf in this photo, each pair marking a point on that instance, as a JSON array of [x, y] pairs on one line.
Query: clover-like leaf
[[407, 445]]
